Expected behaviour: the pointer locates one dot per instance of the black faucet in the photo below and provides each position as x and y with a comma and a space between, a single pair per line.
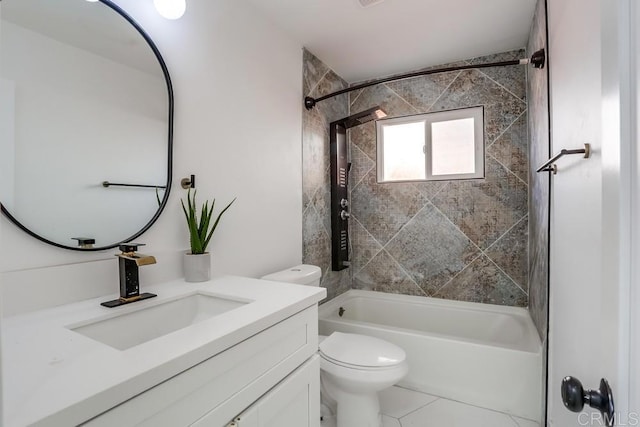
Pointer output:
129, 261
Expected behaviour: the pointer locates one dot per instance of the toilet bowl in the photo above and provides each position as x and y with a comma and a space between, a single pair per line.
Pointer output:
353, 367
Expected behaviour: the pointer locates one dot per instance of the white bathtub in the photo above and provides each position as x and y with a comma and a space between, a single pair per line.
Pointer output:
484, 355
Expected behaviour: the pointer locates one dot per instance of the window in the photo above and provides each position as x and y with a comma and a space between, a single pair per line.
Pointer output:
434, 146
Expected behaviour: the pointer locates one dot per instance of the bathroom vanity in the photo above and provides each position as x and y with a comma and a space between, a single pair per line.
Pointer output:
229, 352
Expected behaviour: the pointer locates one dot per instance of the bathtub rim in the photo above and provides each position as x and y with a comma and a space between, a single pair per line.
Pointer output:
533, 345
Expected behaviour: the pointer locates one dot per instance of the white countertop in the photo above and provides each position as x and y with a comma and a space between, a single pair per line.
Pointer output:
55, 376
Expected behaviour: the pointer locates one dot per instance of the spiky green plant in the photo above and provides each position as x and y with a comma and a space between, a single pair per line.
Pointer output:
200, 230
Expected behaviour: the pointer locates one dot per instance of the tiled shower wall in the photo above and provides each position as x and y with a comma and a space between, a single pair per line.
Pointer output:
463, 240
539, 202
319, 80
539, 182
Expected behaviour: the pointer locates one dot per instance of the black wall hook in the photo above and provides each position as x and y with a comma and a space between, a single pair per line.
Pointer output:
187, 183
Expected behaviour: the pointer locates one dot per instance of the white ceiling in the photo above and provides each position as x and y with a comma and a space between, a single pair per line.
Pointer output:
398, 36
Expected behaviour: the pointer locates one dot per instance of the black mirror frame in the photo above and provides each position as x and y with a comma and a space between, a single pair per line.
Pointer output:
165, 72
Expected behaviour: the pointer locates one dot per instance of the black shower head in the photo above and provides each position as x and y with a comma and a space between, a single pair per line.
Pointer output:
363, 117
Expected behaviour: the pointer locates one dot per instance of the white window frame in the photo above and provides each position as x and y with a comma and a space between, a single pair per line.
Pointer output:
475, 113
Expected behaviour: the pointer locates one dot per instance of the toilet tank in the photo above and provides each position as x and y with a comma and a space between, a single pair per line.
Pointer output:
303, 274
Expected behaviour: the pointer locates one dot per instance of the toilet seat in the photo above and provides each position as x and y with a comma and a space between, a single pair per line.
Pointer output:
357, 351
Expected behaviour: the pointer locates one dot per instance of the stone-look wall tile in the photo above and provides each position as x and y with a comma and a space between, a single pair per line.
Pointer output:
321, 201
509, 77
319, 80
331, 109
485, 209
353, 96
363, 137
431, 249
383, 274
539, 198
316, 246
510, 253
422, 92
449, 65
363, 246
313, 70
388, 100
511, 148
330, 82
430, 188
483, 282
361, 165
383, 209
473, 88
336, 282
315, 157
538, 281
334, 108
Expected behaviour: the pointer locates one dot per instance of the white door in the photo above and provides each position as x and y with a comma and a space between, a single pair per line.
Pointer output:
590, 45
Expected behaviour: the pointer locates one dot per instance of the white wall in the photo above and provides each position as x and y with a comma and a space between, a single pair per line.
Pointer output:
7, 140
238, 93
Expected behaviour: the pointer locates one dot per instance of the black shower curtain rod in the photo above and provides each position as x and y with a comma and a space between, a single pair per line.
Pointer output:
537, 60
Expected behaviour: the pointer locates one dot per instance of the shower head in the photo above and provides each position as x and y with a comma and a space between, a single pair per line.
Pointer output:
361, 118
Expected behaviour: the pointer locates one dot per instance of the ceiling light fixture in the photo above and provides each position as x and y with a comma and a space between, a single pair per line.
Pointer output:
170, 9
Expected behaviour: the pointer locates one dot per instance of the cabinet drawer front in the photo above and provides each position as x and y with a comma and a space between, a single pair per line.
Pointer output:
263, 359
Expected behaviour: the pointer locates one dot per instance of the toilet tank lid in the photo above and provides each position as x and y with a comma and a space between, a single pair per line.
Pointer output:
303, 274
361, 350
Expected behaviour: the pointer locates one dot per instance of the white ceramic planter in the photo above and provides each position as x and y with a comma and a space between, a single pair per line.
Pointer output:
197, 268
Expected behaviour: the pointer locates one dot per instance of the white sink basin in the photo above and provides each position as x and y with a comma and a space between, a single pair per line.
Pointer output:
136, 327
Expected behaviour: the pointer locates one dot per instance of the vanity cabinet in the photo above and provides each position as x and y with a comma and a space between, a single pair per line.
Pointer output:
269, 379
292, 403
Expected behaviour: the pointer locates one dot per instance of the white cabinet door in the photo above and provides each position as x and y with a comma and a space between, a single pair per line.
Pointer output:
294, 402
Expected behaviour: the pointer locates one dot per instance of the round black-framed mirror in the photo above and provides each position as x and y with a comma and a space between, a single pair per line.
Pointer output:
129, 195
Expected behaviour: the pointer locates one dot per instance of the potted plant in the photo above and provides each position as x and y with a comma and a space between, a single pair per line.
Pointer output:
197, 262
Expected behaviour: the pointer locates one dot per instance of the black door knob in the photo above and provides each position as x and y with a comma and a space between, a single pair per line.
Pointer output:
574, 398
572, 394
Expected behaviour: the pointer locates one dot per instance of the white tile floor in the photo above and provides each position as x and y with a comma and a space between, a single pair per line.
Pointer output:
407, 408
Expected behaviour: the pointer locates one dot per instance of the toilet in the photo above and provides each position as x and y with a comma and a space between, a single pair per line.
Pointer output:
353, 367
